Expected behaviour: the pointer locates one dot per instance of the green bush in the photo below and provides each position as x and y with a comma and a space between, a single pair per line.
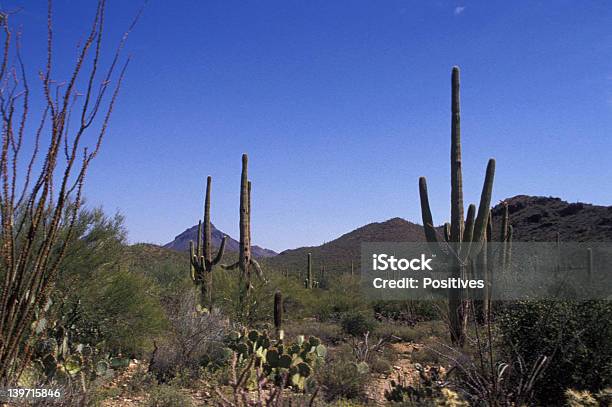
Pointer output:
344, 295
575, 335
123, 307
167, 396
341, 378
97, 301
357, 324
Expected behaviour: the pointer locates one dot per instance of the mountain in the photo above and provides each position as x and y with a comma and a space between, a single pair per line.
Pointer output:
534, 218
337, 255
181, 242
538, 218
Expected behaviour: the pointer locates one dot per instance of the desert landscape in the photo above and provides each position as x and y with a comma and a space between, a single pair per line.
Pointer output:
90, 317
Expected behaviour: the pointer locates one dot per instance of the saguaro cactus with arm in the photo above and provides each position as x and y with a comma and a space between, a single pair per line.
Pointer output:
245, 262
464, 239
201, 256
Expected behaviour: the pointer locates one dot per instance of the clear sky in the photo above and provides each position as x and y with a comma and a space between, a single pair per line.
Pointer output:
341, 106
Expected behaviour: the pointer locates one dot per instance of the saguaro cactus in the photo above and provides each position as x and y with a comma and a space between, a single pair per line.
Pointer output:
464, 237
278, 313
505, 239
245, 262
309, 283
201, 256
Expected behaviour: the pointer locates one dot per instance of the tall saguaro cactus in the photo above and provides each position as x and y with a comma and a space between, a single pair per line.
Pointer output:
201, 256
245, 262
278, 314
464, 238
309, 283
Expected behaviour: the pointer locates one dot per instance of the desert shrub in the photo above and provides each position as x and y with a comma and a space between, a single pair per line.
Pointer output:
584, 398
357, 324
342, 377
574, 335
426, 356
344, 295
419, 332
140, 380
100, 396
122, 310
406, 312
96, 300
164, 395
329, 333
427, 389
260, 305
398, 332
194, 340
346, 403
381, 365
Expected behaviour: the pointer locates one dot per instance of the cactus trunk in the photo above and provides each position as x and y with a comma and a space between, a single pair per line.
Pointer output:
309, 278
246, 263
278, 313
245, 243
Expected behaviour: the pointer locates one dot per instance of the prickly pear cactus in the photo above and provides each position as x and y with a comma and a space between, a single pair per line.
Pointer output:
277, 359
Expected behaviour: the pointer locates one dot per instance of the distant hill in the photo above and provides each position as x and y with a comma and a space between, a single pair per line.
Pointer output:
338, 254
181, 242
538, 218
534, 218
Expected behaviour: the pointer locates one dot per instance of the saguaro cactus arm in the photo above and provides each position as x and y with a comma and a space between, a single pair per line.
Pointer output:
468, 233
230, 266
480, 225
469, 223
430, 231
447, 232
258, 270
221, 251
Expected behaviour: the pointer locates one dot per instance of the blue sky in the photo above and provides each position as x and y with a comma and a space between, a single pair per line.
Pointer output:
341, 106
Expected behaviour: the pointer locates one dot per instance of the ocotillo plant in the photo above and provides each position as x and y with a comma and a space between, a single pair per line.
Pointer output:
245, 262
464, 237
201, 256
278, 314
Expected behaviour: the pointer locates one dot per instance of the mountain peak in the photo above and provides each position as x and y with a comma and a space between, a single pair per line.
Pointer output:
181, 242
